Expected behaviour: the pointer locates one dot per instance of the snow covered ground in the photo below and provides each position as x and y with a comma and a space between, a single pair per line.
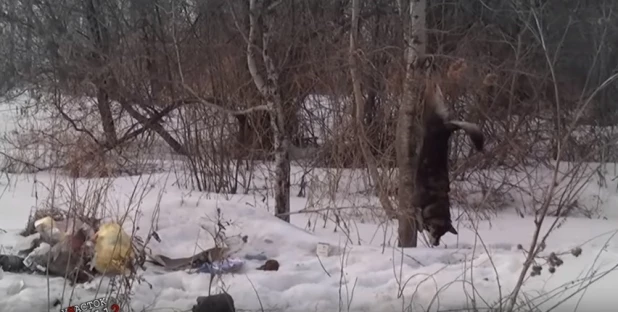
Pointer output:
367, 277
363, 272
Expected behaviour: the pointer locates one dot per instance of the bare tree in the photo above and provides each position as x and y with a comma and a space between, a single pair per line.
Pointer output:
261, 23
98, 56
415, 38
171, 71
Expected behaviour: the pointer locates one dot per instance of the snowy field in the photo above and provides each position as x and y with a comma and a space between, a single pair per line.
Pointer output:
472, 270
363, 272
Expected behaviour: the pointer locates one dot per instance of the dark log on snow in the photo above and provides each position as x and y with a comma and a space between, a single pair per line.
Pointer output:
215, 303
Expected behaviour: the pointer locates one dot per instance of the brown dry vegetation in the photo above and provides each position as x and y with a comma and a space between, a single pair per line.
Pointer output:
218, 88
171, 80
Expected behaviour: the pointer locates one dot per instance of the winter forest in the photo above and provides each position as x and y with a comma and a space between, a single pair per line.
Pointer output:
263, 155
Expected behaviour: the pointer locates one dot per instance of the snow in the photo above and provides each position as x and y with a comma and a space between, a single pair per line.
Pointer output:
366, 277
363, 272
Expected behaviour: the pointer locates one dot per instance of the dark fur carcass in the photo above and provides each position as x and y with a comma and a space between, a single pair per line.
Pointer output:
61, 248
431, 196
67, 258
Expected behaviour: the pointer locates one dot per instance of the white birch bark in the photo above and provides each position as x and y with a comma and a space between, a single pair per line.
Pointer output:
269, 88
415, 38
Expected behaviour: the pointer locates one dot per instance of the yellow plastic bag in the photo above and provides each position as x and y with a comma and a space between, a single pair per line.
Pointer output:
113, 250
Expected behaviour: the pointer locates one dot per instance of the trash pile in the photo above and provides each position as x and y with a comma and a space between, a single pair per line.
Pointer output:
80, 248
73, 247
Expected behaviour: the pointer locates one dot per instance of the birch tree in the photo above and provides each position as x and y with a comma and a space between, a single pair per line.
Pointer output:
261, 23
415, 38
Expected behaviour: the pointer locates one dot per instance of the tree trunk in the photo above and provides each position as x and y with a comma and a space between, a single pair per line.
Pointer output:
269, 89
150, 27
107, 118
415, 45
100, 42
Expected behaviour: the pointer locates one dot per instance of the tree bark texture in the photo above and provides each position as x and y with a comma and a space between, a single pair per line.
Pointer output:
269, 88
100, 37
415, 46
